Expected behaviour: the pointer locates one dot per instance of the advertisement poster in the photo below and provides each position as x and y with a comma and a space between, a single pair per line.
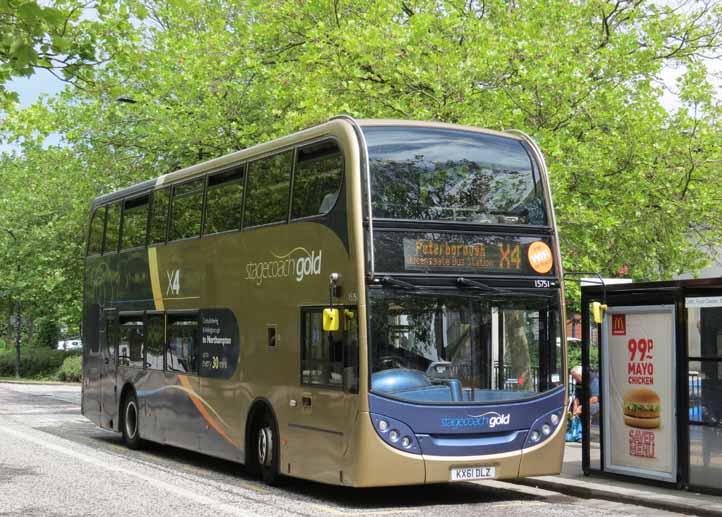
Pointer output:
639, 395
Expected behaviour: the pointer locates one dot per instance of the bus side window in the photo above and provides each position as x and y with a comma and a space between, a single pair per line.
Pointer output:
269, 181
130, 347
321, 352
97, 227
186, 210
223, 201
159, 216
183, 343
135, 222
155, 339
112, 229
317, 179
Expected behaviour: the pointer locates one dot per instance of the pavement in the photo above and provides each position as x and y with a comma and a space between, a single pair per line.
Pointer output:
573, 482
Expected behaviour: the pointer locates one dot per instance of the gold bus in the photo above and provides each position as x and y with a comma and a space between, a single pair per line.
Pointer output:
363, 303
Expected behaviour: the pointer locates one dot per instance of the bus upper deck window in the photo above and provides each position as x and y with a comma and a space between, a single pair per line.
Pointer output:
159, 216
135, 221
317, 179
268, 189
112, 229
223, 201
186, 210
97, 227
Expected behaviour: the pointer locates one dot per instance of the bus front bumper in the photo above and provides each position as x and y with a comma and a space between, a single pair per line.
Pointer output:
379, 464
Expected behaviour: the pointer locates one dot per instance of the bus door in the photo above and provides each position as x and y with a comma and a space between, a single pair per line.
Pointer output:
326, 401
109, 331
92, 331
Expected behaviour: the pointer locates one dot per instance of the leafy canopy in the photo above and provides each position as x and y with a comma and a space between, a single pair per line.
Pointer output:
635, 184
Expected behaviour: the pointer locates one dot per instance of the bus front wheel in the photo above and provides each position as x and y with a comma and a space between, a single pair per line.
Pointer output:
267, 452
131, 422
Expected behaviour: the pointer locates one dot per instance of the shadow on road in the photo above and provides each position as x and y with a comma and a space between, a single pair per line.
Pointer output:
344, 498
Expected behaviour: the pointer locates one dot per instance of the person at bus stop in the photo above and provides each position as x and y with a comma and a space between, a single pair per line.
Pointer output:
579, 391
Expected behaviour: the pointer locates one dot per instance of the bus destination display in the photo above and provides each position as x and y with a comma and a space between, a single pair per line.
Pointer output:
459, 253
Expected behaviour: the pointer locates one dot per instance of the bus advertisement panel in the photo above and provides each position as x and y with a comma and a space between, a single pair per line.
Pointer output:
639, 363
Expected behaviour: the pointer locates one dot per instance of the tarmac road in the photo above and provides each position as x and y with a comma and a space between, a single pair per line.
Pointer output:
54, 462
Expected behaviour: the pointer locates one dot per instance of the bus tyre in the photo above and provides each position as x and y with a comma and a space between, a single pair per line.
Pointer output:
131, 422
267, 451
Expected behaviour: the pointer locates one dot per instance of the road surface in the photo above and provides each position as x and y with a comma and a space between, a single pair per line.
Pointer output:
54, 462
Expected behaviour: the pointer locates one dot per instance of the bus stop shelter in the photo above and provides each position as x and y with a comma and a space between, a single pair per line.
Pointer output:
652, 382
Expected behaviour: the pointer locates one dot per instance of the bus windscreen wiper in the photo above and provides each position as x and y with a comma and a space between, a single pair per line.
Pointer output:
398, 283
467, 282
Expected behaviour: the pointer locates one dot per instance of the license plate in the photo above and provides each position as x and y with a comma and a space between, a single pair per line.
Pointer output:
471, 473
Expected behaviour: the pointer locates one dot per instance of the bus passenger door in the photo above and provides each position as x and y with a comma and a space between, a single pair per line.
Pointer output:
108, 360
92, 330
321, 419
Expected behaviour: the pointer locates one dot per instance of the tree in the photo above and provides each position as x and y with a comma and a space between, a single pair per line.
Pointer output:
51, 37
635, 184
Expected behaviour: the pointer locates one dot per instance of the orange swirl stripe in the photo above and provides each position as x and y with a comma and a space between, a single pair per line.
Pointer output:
200, 405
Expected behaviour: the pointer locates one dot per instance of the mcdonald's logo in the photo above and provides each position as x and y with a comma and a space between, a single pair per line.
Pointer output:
619, 325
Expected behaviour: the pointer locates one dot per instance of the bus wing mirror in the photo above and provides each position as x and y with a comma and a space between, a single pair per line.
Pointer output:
330, 320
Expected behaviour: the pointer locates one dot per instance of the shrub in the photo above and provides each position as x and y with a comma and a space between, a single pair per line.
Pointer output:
71, 370
48, 334
33, 362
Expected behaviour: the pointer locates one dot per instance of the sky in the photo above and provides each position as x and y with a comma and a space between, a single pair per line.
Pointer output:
30, 89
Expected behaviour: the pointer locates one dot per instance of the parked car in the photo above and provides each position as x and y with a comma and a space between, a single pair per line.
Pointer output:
70, 344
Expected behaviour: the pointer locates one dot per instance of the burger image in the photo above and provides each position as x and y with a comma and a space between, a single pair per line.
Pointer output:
642, 408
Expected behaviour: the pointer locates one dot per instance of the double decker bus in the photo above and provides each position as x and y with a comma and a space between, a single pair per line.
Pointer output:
362, 303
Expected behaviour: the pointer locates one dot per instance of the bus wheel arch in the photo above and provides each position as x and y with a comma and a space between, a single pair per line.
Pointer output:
262, 442
129, 417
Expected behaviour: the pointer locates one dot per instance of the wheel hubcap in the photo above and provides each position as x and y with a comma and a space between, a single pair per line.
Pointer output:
265, 446
131, 420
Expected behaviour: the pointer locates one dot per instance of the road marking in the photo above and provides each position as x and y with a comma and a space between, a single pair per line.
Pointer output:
335, 511
207, 501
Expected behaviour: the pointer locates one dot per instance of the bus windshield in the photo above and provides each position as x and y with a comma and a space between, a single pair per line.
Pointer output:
426, 173
463, 348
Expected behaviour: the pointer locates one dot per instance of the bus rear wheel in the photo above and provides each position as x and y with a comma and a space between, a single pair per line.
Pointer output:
131, 422
267, 452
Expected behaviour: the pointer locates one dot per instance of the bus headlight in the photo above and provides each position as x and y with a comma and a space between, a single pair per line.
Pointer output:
543, 428
395, 433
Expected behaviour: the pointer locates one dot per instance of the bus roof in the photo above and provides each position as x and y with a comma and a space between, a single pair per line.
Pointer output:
265, 147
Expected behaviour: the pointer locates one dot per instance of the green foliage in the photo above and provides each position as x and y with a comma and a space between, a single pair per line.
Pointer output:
71, 369
48, 334
635, 185
33, 362
49, 35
